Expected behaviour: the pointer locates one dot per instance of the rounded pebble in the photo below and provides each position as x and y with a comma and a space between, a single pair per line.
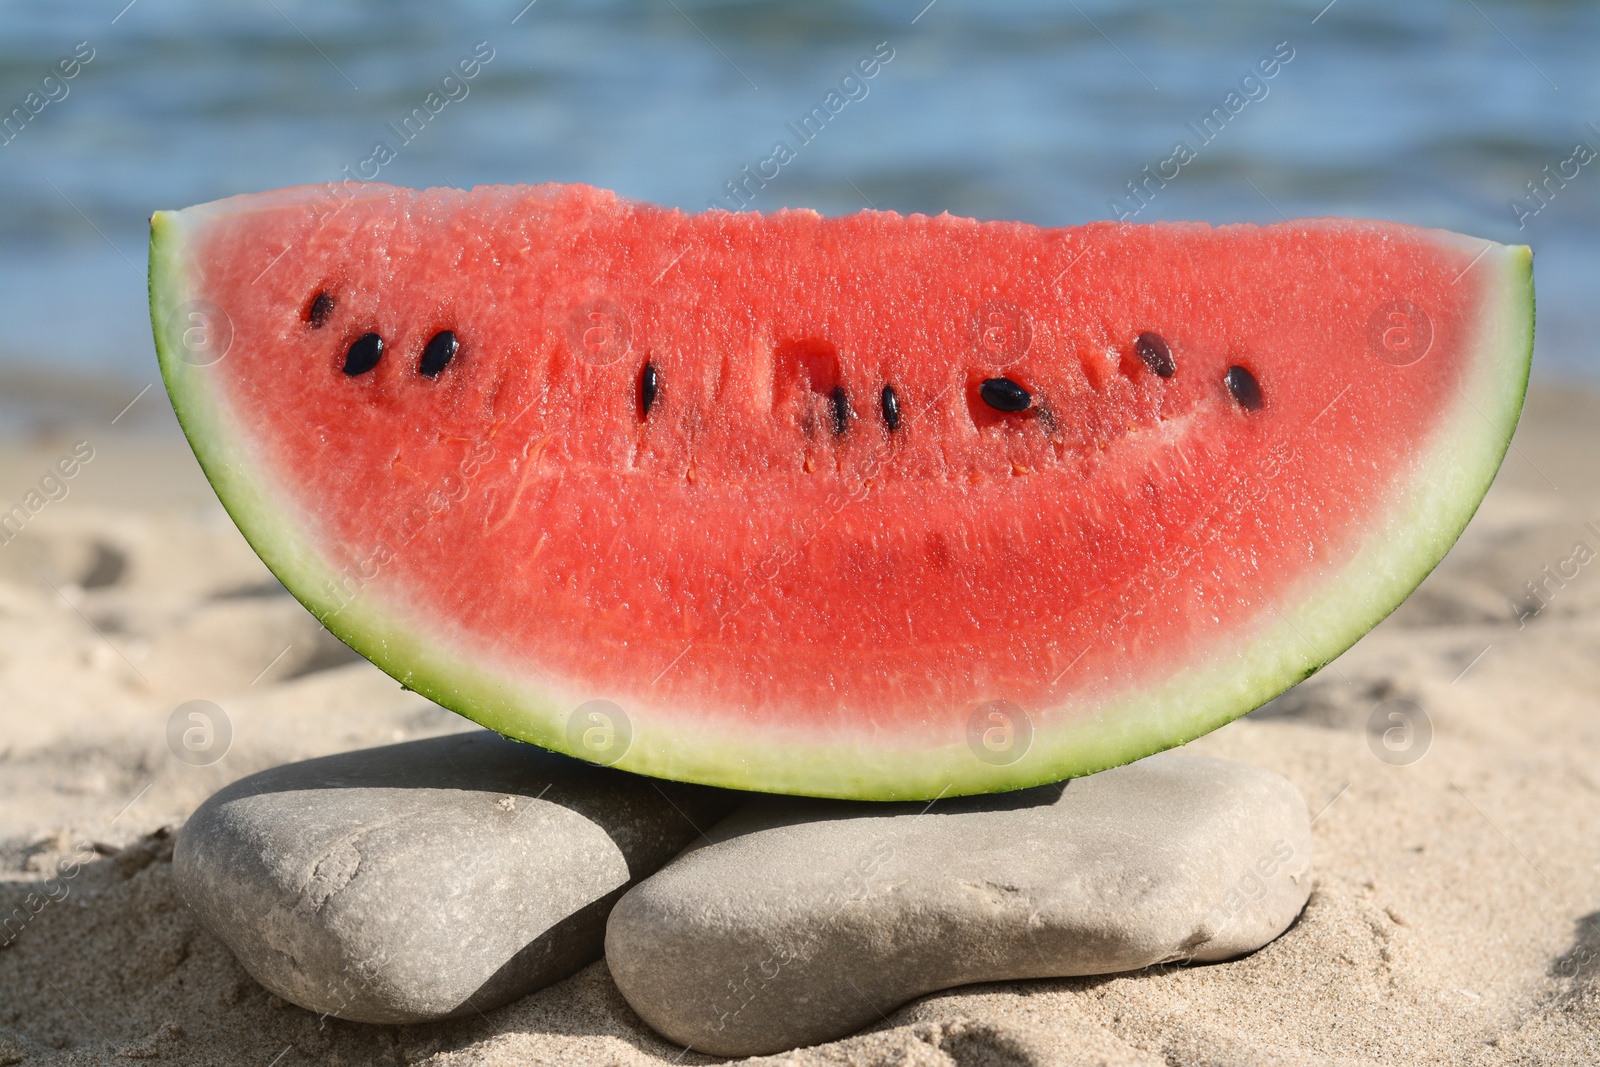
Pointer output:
427, 879
805, 920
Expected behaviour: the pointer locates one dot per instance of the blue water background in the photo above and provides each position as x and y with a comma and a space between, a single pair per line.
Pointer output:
1435, 112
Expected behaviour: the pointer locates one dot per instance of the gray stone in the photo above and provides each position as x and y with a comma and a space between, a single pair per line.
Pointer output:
801, 921
428, 879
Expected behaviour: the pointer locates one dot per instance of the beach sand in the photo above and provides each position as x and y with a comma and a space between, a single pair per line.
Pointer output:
1455, 917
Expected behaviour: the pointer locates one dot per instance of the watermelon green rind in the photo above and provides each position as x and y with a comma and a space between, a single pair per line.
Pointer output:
277, 536
238, 480
1429, 509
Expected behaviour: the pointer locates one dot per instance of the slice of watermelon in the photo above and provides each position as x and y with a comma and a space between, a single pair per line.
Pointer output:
874, 507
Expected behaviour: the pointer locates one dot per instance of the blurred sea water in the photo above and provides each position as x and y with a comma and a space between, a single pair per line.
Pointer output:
1434, 112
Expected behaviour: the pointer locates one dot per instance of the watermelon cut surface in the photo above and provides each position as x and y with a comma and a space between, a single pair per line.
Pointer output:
738, 499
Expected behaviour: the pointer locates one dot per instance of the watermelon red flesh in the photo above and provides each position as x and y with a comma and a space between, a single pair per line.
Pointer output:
774, 604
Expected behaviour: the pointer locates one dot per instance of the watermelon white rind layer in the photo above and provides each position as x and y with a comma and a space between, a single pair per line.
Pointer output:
1435, 499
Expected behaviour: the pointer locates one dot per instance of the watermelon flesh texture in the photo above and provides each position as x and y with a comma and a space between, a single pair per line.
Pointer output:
658, 510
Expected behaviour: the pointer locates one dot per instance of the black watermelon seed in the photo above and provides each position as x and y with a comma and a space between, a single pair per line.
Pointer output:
1156, 353
321, 307
841, 409
649, 385
1245, 389
363, 355
891, 408
1003, 394
438, 353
